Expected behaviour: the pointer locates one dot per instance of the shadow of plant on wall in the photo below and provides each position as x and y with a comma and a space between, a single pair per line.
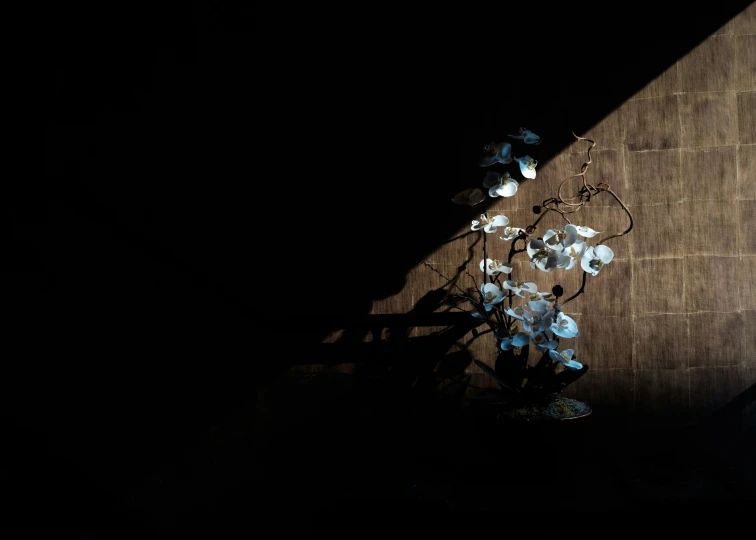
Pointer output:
520, 317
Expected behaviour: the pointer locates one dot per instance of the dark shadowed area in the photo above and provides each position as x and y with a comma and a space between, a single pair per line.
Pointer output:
225, 186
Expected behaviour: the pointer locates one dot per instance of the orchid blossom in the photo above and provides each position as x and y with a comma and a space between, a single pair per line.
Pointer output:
559, 240
496, 153
565, 326
543, 343
586, 231
595, 258
539, 302
527, 166
565, 357
518, 287
492, 295
489, 225
545, 259
539, 322
494, 267
527, 136
574, 252
500, 185
510, 233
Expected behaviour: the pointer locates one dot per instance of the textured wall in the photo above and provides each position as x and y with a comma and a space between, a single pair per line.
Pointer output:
667, 327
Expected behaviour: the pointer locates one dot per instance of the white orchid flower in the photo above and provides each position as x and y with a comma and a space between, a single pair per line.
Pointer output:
576, 250
565, 326
543, 258
500, 185
527, 136
572, 254
492, 295
510, 233
520, 313
586, 231
493, 267
470, 197
532, 322
543, 343
565, 357
560, 239
527, 166
518, 287
519, 340
510, 339
496, 153
595, 258
539, 302
490, 224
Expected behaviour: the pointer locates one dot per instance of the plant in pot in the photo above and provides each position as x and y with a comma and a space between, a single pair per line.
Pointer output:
532, 328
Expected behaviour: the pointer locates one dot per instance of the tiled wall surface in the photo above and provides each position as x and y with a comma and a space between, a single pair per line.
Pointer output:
668, 327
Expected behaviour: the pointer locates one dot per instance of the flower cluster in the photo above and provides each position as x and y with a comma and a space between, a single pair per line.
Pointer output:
517, 312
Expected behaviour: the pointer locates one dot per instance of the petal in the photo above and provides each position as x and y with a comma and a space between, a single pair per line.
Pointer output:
538, 306
500, 221
578, 248
565, 261
530, 287
573, 364
562, 332
492, 288
549, 238
526, 171
572, 235
513, 232
534, 246
508, 188
522, 338
551, 344
542, 264
586, 231
585, 262
532, 138
571, 324
506, 344
555, 356
492, 179
604, 253
552, 261
504, 153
